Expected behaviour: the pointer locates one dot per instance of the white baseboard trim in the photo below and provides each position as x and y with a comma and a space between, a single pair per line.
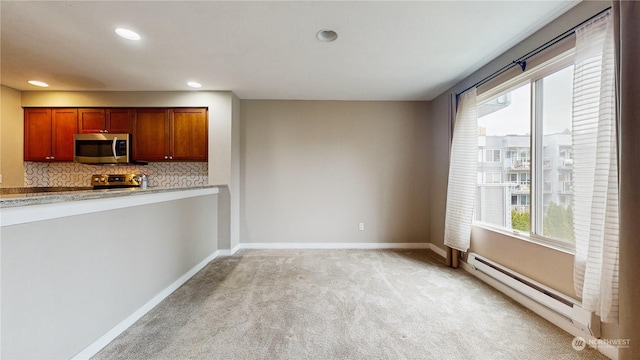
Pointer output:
438, 250
226, 252
235, 249
550, 315
266, 246
105, 339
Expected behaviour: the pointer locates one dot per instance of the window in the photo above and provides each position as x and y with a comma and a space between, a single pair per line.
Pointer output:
553, 119
492, 155
520, 200
530, 119
493, 178
507, 125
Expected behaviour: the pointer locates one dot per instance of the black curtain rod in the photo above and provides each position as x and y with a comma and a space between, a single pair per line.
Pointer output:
522, 61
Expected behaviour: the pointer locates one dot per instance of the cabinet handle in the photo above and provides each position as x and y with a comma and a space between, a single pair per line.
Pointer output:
170, 157
166, 157
113, 148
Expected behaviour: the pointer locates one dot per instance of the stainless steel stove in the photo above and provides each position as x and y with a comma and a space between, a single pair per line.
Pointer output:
111, 181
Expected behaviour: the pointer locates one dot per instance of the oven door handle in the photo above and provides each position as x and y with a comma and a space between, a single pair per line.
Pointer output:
113, 147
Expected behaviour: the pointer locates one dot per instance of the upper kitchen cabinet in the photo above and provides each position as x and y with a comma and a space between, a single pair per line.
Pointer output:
48, 134
178, 134
91, 120
150, 134
118, 121
188, 133
104, 120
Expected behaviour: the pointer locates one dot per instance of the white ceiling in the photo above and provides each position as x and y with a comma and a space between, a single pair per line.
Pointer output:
386, 50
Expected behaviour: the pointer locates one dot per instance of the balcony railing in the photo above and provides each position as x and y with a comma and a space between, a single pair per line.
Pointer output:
520, 208
517, 164
521, 189
565, 163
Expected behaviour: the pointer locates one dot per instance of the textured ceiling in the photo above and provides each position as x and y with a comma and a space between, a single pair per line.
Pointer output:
386, 50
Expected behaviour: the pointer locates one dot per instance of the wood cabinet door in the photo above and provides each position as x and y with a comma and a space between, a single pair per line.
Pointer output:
119, 121
37, 134
91, 120
64, 123
189, 134
150, 134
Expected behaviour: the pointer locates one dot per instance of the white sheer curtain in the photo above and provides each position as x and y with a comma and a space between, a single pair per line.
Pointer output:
463, 168
595, 170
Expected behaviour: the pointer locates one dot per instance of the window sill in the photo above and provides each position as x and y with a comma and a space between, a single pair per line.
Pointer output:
567, 248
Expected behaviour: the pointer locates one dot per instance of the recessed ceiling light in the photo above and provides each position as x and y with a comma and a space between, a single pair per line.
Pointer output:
194, 84
38, 83
128, 34
327, 35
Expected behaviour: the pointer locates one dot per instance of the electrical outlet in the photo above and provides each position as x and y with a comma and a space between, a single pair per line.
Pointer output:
361, 226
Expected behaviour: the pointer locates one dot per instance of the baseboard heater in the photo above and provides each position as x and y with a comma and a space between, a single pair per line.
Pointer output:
561, 304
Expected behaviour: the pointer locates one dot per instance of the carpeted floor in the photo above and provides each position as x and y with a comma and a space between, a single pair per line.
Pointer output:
339, 304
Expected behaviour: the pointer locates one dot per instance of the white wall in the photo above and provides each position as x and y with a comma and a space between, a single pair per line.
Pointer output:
11, 138
67, 281
235, 175
312, 170
629, 165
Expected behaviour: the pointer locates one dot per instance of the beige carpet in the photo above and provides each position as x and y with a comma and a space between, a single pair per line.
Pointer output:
339, 304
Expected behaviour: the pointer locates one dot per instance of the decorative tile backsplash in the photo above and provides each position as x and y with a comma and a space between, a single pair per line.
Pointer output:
160, 174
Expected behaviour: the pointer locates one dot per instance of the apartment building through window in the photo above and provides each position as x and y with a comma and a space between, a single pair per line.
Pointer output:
528, 120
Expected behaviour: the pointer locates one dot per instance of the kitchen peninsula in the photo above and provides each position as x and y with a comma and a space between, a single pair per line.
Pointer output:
78, 267
10, 198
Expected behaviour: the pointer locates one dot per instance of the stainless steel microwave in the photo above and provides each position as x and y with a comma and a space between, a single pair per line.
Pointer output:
102, 148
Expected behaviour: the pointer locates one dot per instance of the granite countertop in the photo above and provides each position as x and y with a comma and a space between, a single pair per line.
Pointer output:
15, 197
39, 190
